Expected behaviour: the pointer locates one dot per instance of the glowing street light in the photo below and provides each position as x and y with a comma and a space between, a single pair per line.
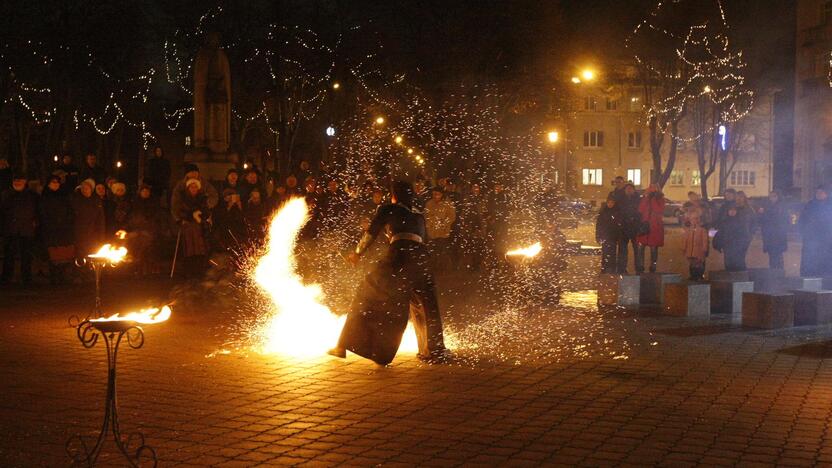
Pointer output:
576, 80
410, 151
330, 131
336, 85
553, 136
380, 120
398, 140
118, 164
588, 75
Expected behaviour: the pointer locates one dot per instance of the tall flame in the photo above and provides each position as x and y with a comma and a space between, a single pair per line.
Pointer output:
301, 325
529, 252
144, 316
110, 253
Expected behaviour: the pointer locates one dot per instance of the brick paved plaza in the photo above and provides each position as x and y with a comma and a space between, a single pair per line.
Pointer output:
584, 387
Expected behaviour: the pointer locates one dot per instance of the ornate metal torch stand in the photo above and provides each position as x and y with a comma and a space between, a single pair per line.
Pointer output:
132, 447
98, 262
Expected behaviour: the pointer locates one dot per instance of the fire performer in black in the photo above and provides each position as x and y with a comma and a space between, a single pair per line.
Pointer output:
400, 285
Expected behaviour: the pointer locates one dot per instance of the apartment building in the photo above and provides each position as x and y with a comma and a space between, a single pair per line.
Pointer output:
607, 137
813, 96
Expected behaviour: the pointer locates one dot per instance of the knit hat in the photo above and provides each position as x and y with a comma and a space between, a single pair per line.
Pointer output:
191, 167
118, 187
190, 182
228, 191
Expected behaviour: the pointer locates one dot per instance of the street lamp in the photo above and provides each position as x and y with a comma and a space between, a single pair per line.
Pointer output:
380, 120
553, 136
336, 85
398, 140
588, 75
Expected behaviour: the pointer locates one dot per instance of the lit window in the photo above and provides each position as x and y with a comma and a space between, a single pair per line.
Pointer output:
593, 177
634, 177
634, 140
612, 104
590, 103
677, 178
593, 139
743, 178
695, 178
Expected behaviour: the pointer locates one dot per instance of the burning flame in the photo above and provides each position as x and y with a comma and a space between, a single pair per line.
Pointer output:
301, 325
528, 252
144, 316
108, 252
121, 234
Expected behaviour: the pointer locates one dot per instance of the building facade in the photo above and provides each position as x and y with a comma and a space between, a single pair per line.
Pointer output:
813, 96
607, 137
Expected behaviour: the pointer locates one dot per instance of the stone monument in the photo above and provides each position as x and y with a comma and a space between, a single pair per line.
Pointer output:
212, 109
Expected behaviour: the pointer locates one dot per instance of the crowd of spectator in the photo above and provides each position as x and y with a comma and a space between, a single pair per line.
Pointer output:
192, 218
632, 219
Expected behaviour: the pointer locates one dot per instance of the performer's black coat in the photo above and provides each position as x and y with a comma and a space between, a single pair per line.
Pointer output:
401, 284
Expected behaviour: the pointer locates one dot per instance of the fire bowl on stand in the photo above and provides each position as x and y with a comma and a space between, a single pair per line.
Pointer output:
113, 330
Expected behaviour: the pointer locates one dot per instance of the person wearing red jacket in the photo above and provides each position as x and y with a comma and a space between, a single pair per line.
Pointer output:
651, 209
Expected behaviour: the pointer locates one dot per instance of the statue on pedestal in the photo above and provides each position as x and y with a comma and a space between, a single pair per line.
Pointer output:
212, 98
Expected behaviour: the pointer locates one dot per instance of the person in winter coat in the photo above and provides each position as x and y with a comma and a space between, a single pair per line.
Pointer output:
440, 216
774, 224
19, 214
651, 208
696, 240
609, 230
120, 205
735, 233
56, 223
144, 228
232, 180
157, 174
193, 215
92, 170
256, 216
816, 231
89, 226
180, 192
230, 232
628, 202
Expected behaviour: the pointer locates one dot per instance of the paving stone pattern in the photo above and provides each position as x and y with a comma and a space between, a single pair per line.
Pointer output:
724, 396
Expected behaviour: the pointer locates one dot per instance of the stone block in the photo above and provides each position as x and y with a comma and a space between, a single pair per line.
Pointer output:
812, 307
590, 250
652, 286
803, 284
573, 246
726, 297
827, 283
620, 290
767, 279
722, 275
687, 299
767, 310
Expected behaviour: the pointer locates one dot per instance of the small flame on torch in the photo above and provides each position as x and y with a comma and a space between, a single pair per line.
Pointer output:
528, 252
121, 234
144, 316
108, 252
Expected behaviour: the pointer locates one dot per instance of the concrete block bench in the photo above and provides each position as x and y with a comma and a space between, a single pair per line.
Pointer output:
722, 275
726, 297
812, 307
653, 284
767, 279
767, 310
804, 284
573, 246
620, 290
687, 299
